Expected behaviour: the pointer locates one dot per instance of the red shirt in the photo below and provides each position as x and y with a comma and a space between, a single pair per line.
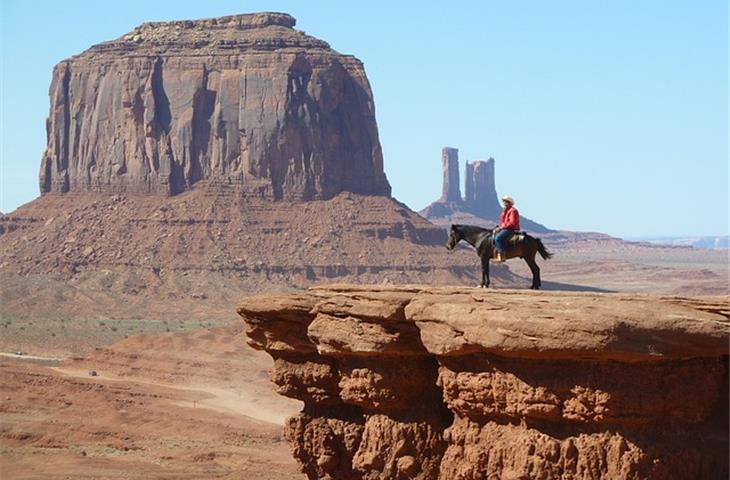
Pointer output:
510, 218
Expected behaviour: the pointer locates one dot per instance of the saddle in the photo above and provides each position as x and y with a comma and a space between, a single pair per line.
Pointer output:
516, 237
513, 239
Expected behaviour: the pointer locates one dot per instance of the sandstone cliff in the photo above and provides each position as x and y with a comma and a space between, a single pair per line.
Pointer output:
480, 190
426, 383
243, 102
450, 191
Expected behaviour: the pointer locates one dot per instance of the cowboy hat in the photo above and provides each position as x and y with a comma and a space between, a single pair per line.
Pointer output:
508, 199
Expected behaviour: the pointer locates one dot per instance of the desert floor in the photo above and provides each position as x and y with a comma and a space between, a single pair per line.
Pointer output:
190, 404
635, 268
189, 399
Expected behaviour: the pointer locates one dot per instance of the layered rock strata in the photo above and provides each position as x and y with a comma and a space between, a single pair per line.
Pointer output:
243, 101
132, 256
447, 383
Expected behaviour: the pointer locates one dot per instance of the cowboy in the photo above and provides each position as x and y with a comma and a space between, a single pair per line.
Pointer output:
509, 223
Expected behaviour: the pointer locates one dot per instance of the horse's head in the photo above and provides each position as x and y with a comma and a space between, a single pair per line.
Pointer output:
454, 238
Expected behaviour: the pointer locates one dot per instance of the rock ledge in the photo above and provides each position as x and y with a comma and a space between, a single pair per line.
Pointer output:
419, 382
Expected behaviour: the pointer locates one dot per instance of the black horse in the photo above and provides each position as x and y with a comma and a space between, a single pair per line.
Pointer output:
519, 245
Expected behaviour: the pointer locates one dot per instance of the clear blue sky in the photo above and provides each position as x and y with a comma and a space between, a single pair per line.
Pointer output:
602, 116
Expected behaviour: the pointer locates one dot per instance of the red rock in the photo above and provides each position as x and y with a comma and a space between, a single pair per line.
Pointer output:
500, 384
242, 102
451, 191
480, 190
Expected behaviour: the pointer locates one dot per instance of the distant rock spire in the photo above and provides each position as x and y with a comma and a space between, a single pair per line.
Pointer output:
450, 163
480, 206
481, 192
469, 183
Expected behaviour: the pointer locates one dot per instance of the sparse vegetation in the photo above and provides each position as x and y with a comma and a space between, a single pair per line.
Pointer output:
66, 335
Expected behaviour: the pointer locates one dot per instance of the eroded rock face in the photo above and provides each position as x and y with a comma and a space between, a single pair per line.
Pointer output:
481, 193
451, 190
242, 102
446, 383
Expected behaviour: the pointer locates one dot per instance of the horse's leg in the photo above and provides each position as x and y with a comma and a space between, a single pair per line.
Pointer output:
537, 268
530, 260
485, 270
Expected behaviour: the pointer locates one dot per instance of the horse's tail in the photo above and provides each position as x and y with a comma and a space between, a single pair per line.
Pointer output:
542, 250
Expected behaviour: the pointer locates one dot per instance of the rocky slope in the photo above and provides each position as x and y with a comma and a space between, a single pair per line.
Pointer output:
243, 102
426, 383
190, 255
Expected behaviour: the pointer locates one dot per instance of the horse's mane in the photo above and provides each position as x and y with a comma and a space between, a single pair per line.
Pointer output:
467, 229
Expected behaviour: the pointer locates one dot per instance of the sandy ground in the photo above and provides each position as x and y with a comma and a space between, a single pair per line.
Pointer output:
176, 405
636, 269
240, 401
